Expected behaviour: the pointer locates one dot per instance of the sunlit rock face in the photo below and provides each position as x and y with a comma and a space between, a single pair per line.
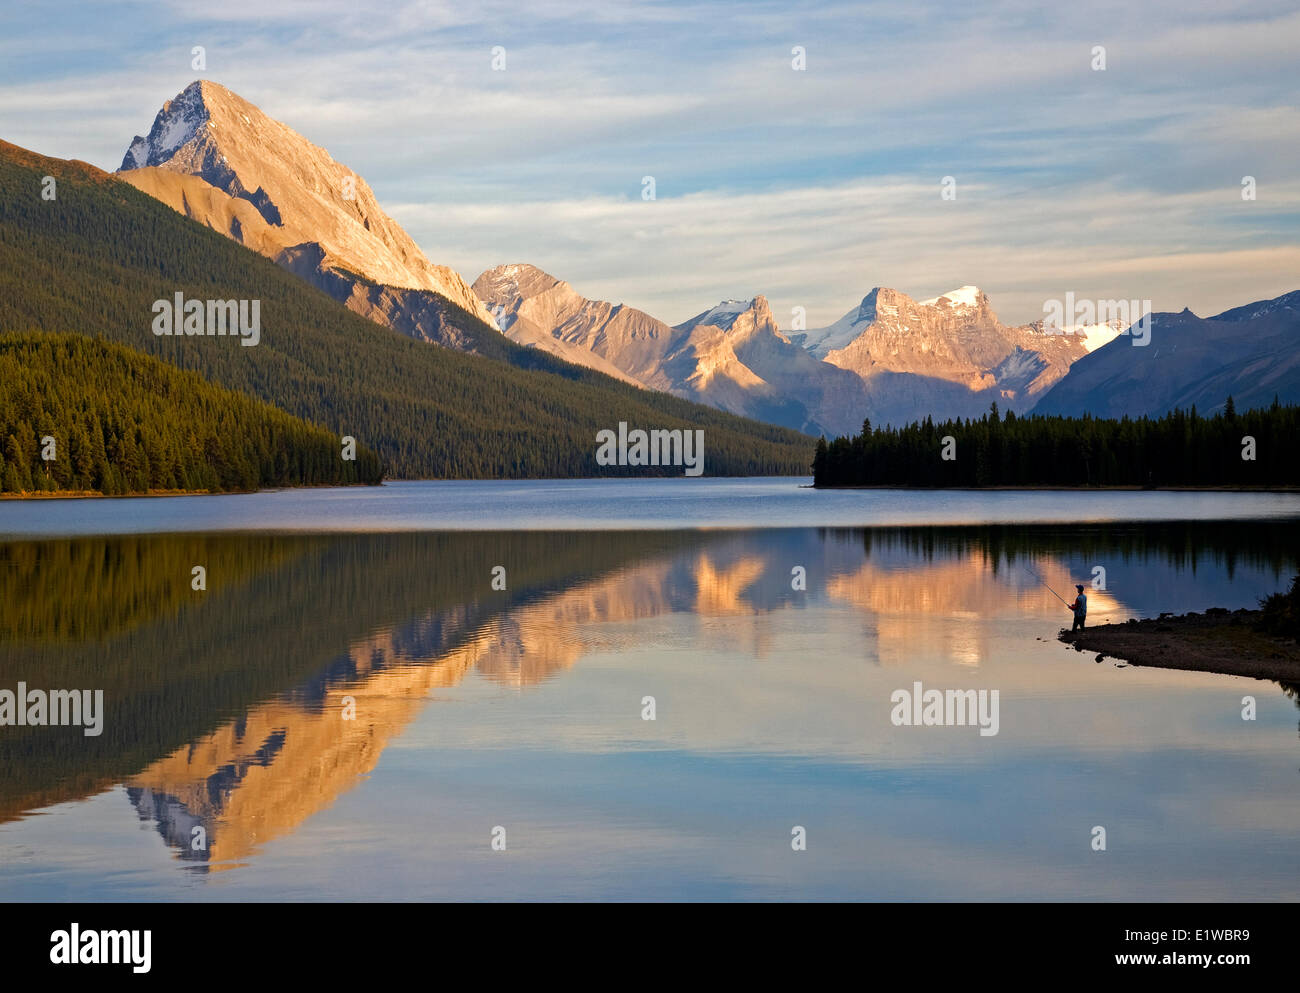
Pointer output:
891, 359
732, 356
953, 339
259, 777
218, 159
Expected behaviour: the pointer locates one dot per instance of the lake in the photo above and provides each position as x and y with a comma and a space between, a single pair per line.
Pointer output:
618, 504
637, 689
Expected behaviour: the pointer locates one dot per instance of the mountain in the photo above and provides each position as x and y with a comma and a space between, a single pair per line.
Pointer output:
737, 350
890, 359
955, 337
141, 647
536, 310
97, 258
1250, 353
221, 161
732, 356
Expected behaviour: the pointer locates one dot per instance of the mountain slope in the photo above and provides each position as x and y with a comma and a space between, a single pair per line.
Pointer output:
125, 422
945, 357
1250, 353
732, 356
831, 400
537, 310
220, 160
890, 359
956, 337
95, 260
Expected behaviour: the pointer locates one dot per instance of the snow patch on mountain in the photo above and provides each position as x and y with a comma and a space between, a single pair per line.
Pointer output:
1287, 303
821, 341
724, 314
1094, 336
963, 296
176, 123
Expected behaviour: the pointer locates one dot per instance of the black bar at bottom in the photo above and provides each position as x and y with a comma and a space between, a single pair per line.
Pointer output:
928, 941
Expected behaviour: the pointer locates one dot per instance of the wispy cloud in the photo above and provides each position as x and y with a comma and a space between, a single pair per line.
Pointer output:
823, 247
807, 186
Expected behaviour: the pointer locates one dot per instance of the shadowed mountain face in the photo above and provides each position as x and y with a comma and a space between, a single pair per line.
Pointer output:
216, 158
1250, 353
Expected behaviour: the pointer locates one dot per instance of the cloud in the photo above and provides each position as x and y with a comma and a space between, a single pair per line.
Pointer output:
824, 247
807, 186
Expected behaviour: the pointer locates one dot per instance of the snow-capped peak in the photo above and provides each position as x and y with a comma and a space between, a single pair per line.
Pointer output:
963, 296
177, 122
304, 197
724, 314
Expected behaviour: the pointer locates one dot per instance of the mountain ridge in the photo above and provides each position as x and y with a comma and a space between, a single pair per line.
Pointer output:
1184, 365
94, 260
220, 160
890, 359
700, 359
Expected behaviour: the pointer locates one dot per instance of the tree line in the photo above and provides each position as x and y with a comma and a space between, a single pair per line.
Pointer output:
78, 414
1252, 449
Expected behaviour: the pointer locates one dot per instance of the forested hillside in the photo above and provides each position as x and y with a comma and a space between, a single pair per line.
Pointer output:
95, 259
1256, 448
121, 422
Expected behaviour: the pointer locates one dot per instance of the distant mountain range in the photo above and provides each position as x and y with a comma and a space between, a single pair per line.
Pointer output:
218, 159
891, 358
896, 360
732, 356
97, 258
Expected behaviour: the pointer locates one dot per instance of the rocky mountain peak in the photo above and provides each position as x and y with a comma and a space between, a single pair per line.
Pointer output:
722, 316
223, 142
178, 121
514, 282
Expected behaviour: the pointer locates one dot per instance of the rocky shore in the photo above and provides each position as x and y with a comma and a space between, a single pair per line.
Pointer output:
1218, 640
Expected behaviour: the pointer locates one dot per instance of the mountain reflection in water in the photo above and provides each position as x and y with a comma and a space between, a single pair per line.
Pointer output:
229, 713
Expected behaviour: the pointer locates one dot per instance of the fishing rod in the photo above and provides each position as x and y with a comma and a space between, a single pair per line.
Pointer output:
1044, 582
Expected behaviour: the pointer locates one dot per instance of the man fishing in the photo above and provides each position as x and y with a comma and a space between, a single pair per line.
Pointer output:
1080, 608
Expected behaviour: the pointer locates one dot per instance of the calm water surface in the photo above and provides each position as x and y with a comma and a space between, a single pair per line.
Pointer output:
618, 504
478, 708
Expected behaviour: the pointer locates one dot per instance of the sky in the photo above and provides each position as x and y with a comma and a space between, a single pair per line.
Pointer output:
808, 186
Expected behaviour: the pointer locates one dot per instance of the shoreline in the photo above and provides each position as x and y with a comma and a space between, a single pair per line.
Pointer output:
1071, 489
97, 495
1218, 641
